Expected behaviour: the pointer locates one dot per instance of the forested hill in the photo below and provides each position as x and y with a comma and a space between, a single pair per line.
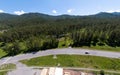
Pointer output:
9, 20
36, 31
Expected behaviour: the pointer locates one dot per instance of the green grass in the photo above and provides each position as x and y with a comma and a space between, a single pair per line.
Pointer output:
76, 61
6, 67
2, 53
104, 48
64, 42
3, 73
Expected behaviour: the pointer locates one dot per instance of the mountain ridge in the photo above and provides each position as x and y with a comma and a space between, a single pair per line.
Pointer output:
4, 16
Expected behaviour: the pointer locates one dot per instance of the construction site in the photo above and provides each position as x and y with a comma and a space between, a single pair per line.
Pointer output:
61, 71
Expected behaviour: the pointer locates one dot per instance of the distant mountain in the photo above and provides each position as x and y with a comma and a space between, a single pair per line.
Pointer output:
36, 15
106, 15
116, 13
39, 18
45, 16
4, 16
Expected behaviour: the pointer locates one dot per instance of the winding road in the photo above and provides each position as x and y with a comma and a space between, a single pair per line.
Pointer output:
70, 51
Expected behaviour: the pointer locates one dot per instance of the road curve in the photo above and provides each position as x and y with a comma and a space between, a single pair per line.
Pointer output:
70, 51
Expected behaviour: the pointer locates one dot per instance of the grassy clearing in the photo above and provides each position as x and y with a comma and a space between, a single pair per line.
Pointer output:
2, 53
104, 48
76, 61
6, 67
64, 42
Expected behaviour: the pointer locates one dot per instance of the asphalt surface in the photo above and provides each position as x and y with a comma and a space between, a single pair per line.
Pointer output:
70, 51
22, 69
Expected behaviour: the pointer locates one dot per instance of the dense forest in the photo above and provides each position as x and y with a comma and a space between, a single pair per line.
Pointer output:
35, 31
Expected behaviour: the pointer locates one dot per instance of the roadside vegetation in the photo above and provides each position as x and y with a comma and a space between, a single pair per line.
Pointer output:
102, 48
104, 73
3, 73
76, 61
5, 67
2, 53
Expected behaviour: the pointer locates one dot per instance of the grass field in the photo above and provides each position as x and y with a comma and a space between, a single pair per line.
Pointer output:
103, 48
76, 61
6, 67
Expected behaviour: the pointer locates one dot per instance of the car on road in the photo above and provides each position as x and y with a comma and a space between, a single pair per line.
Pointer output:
34, 52
87, 52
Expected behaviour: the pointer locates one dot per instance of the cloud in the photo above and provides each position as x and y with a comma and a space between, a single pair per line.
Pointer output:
1, 11
54, 11
19, 12
70, 10
111, 11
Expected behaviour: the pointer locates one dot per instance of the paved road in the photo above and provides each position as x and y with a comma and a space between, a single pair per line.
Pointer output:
70, 51
24, 70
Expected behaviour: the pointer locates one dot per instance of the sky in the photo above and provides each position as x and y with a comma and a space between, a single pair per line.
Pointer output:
58, 7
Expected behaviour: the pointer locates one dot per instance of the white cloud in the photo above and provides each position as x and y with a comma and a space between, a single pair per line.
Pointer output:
111, 11
19, 12
54, 11
70, 10
1, 11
